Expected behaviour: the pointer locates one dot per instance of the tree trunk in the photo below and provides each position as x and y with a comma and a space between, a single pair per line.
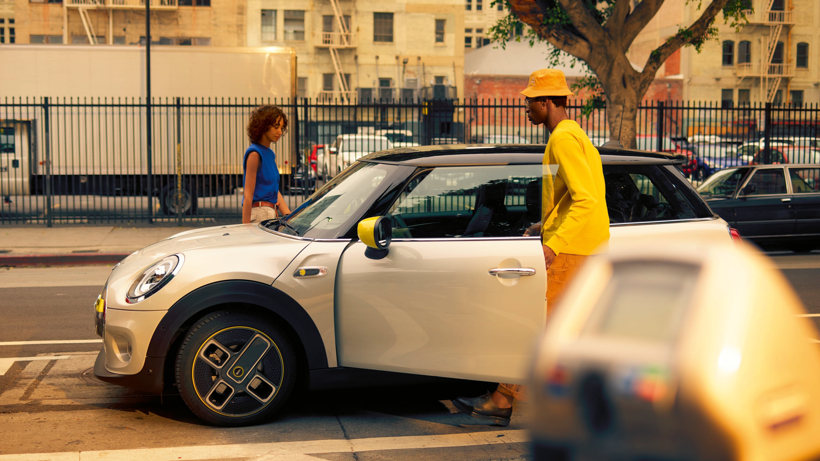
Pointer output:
622, 119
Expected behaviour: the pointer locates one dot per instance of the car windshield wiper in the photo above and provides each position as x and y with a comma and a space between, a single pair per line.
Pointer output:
283, 222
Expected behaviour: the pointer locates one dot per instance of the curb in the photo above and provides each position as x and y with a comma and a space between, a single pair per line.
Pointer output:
71, 259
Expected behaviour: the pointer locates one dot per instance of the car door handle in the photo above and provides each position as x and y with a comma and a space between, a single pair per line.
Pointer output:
785, 200
511, 272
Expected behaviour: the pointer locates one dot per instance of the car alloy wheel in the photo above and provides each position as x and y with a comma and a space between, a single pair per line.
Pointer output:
234, 369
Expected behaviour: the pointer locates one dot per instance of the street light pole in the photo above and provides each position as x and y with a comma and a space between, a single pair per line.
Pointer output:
148, 141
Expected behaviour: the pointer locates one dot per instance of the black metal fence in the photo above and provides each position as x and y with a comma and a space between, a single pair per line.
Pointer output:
83, 161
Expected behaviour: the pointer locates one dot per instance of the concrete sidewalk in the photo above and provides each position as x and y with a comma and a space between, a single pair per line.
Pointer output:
38, 246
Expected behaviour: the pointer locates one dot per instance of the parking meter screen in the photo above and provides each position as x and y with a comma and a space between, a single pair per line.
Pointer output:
644, 300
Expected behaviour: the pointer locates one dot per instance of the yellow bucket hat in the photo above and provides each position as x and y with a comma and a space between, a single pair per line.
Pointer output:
547, 82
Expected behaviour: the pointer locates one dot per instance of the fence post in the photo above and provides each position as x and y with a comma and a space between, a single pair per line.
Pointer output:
306, 166
767, 129
659, 123
47, 158
178, 197
149, 161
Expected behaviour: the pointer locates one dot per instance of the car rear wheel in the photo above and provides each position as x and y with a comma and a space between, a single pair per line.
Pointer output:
235, 369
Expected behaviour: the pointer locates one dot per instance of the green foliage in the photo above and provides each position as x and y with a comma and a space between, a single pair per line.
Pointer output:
596, 99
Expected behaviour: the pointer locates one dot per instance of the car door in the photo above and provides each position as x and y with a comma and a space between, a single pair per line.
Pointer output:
461, 291
763, 207
805, 182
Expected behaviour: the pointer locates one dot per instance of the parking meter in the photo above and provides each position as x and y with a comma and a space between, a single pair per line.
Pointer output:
677, 351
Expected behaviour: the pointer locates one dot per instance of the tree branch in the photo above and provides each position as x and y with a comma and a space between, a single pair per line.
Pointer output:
583, 20
697, 31
615, 23
638, 19
560, 37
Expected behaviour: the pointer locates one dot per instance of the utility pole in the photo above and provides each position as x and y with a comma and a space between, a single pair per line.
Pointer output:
148, 141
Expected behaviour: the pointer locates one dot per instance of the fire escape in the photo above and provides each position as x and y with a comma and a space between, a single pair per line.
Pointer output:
334, 41
83, 7
770, 65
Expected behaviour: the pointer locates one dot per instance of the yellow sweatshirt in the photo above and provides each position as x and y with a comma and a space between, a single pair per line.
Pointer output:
573, 208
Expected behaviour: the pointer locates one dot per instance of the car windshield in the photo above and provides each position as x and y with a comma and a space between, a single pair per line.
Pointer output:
341, 200
723, 182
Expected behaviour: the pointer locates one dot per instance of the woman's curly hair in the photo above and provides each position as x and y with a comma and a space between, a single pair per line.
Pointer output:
264, 117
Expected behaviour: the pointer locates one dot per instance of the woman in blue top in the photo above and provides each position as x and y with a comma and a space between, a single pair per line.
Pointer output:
261, 181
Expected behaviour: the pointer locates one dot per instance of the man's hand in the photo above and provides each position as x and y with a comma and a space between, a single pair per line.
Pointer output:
549, 255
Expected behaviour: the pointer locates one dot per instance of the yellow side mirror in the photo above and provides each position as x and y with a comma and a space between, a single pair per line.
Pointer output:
376, 233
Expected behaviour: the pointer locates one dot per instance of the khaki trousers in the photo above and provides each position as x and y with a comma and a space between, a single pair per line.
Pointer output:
261, 213
560, 273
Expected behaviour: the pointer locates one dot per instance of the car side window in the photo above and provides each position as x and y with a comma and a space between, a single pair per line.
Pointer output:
805, 180
475, 201
766, 181
643, 193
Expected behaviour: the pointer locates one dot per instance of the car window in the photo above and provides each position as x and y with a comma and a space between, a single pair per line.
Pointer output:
474, 201
723, 182
642, 193
805, 180
769, 157
766, 182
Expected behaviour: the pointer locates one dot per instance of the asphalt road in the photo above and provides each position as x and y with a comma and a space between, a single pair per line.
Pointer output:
50, 403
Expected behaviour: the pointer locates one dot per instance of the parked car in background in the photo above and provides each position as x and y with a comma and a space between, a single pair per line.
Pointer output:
806, 142
786, 154
716, 157
769, 204
350, 147
240, 317
317, 156
399, 138
747, 150
691, 167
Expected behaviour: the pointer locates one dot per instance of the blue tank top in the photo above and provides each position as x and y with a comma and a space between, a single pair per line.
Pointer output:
267, 176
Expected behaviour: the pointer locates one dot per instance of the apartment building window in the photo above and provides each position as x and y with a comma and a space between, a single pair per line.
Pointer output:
727, 98
194, 2
744, 52
478, 5
327, 82
7, 34
777, 57
440, 30
468, 38
778, 98
45, 1
382, 27
119, 40
202, 41
46, 39
803, 55
301, 87
728, 53
796, 97
83, 40
295, 25
268, 25
327, 23
778, 5
744, 97
499, 4
2, 35
469, 5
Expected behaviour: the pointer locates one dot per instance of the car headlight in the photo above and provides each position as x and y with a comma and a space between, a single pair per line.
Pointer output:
154, 278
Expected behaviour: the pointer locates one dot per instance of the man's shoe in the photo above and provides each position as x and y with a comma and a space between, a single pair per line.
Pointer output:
484, 408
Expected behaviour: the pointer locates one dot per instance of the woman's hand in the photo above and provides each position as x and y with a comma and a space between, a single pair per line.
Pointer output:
251, 167
282, 206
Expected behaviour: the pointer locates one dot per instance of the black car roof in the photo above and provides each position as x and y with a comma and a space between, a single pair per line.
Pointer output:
504, 154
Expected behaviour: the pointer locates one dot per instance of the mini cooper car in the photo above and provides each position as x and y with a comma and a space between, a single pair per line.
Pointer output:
410, 261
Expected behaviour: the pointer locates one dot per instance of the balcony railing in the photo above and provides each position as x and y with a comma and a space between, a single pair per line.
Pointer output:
770, 17
124, 4
337, 40
765, 70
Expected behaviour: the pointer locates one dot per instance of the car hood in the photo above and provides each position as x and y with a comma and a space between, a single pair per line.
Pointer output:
237, 252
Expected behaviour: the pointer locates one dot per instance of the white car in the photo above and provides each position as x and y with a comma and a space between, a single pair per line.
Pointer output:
399, 138
350, 147
237, 317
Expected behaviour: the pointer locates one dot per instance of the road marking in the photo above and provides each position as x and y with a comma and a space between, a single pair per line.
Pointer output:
34, 343
6, 363
287, 450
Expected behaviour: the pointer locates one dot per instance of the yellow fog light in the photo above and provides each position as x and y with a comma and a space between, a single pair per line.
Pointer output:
99, 306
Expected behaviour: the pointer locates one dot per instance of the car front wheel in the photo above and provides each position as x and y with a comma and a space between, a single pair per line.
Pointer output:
235, 369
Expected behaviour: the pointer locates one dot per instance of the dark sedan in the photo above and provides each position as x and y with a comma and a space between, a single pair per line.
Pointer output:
769, 204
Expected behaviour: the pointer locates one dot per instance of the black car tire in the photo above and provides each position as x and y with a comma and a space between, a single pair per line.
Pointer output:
211, 375
187, 204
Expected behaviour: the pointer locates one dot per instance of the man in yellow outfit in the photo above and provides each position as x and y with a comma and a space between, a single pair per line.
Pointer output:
574, 217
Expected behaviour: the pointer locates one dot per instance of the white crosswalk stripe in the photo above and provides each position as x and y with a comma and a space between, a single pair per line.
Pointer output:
6, 363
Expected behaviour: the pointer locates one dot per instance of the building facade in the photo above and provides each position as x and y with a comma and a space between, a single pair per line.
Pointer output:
365, 50
479, 17
774, 58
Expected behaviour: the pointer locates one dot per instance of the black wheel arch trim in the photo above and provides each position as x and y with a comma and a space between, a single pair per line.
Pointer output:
240, 292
